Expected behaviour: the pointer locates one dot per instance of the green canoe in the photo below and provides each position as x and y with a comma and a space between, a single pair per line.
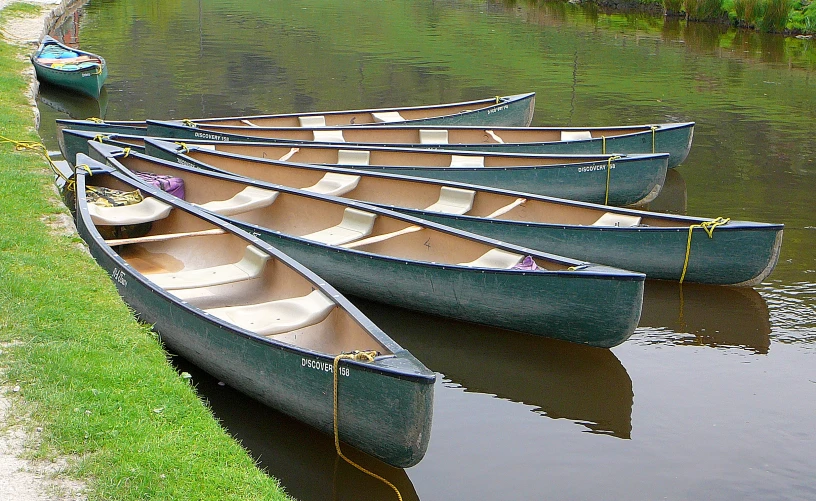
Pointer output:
211, 292
70, 68
615, 180
417, 264
740, 253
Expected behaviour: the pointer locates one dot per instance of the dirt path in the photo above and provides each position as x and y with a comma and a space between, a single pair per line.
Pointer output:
22, 479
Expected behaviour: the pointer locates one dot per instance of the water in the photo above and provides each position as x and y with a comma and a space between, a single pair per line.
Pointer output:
714, 397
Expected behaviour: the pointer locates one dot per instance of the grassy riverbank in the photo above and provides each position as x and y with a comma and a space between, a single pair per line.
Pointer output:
95, 381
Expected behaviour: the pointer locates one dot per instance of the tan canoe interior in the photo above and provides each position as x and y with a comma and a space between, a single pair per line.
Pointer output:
426, 195
414, 135
235, 281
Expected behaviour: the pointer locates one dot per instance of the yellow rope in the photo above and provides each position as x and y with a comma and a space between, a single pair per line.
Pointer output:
184, 148
126, 152
70, 184
189, 123
603, 143
95, 120
498, 99
708, 226
608, 175
100, 138
34, 146
361, 356
654, 131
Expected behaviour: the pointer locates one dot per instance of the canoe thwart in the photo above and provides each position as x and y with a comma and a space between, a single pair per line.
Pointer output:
575, 135
250, 198
620, 220
164, 237
355, 224
380, 238
496, 258
507, 208
249, 267
334, 184
275, 317
145, 211
453, 201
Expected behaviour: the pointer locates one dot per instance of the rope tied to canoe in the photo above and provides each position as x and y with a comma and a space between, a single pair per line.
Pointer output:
359, 356
603, 145
125, 152
100, 138
70, 184
95, 120
708, 227
609, 174
37, 147
184, 149
654, 132
498, 99
189, 123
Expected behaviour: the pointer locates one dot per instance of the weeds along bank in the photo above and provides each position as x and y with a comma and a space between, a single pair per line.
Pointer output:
94, 383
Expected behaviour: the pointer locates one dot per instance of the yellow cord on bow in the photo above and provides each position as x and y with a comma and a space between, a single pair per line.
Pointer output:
126, 152
361, 356
184, 148
603, 145
189, 123
608, 175
654, 131
35, 146
498, 99
95, 120
100, 138
708, 226
70, 184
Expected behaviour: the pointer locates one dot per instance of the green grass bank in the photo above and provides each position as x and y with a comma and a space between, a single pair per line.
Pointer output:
97, 383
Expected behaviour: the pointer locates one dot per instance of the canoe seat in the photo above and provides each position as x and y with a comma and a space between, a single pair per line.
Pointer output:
433, 136
612, 219
467, 161
149, 209
328, 136
453, 201
276, 317
388, 117
353, 157
355, 224
496, 258
312, 121
250, 266
575, 135
334, 184
250, 198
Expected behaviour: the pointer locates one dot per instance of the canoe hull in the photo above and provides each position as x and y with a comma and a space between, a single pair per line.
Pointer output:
88, 81
386, 413
554, 305
739, 254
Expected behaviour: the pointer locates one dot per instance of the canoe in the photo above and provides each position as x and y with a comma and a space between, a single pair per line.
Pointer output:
672, 138
738, 253
73, 69
511, 111
400, 260
256, 319
614, 180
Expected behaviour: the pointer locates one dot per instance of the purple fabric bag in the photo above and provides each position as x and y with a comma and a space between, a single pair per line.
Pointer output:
527, 264
170, 184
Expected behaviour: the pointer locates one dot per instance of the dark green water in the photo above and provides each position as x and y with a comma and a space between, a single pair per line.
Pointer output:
714, 397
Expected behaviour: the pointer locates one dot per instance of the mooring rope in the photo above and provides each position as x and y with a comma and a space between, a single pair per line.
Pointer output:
37, 147
189, 123
184, 148
654, 132
360, 356
708, 226
608, 175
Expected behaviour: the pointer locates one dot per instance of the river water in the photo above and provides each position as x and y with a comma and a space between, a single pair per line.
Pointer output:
714, 397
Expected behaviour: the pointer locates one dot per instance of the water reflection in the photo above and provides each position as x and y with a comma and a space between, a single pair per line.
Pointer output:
713, 315
76, 106
672, 198
561, 380
303, 459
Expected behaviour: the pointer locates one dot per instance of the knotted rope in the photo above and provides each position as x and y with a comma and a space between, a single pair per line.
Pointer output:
360, 356
189, 123
608, 175
708, 227
37, 147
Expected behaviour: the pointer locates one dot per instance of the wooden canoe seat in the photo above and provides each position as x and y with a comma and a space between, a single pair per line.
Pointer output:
575, 135
387, 117
380, 238
507, 208
496, 258
249, 267
353, 157
250, 198
145, 211
453, 201
355, 224
433, 136
276, 317
467, 161
312, 121
334, 184
621, 220
328, 136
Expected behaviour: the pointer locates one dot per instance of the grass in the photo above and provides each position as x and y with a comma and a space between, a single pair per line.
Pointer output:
96, 381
